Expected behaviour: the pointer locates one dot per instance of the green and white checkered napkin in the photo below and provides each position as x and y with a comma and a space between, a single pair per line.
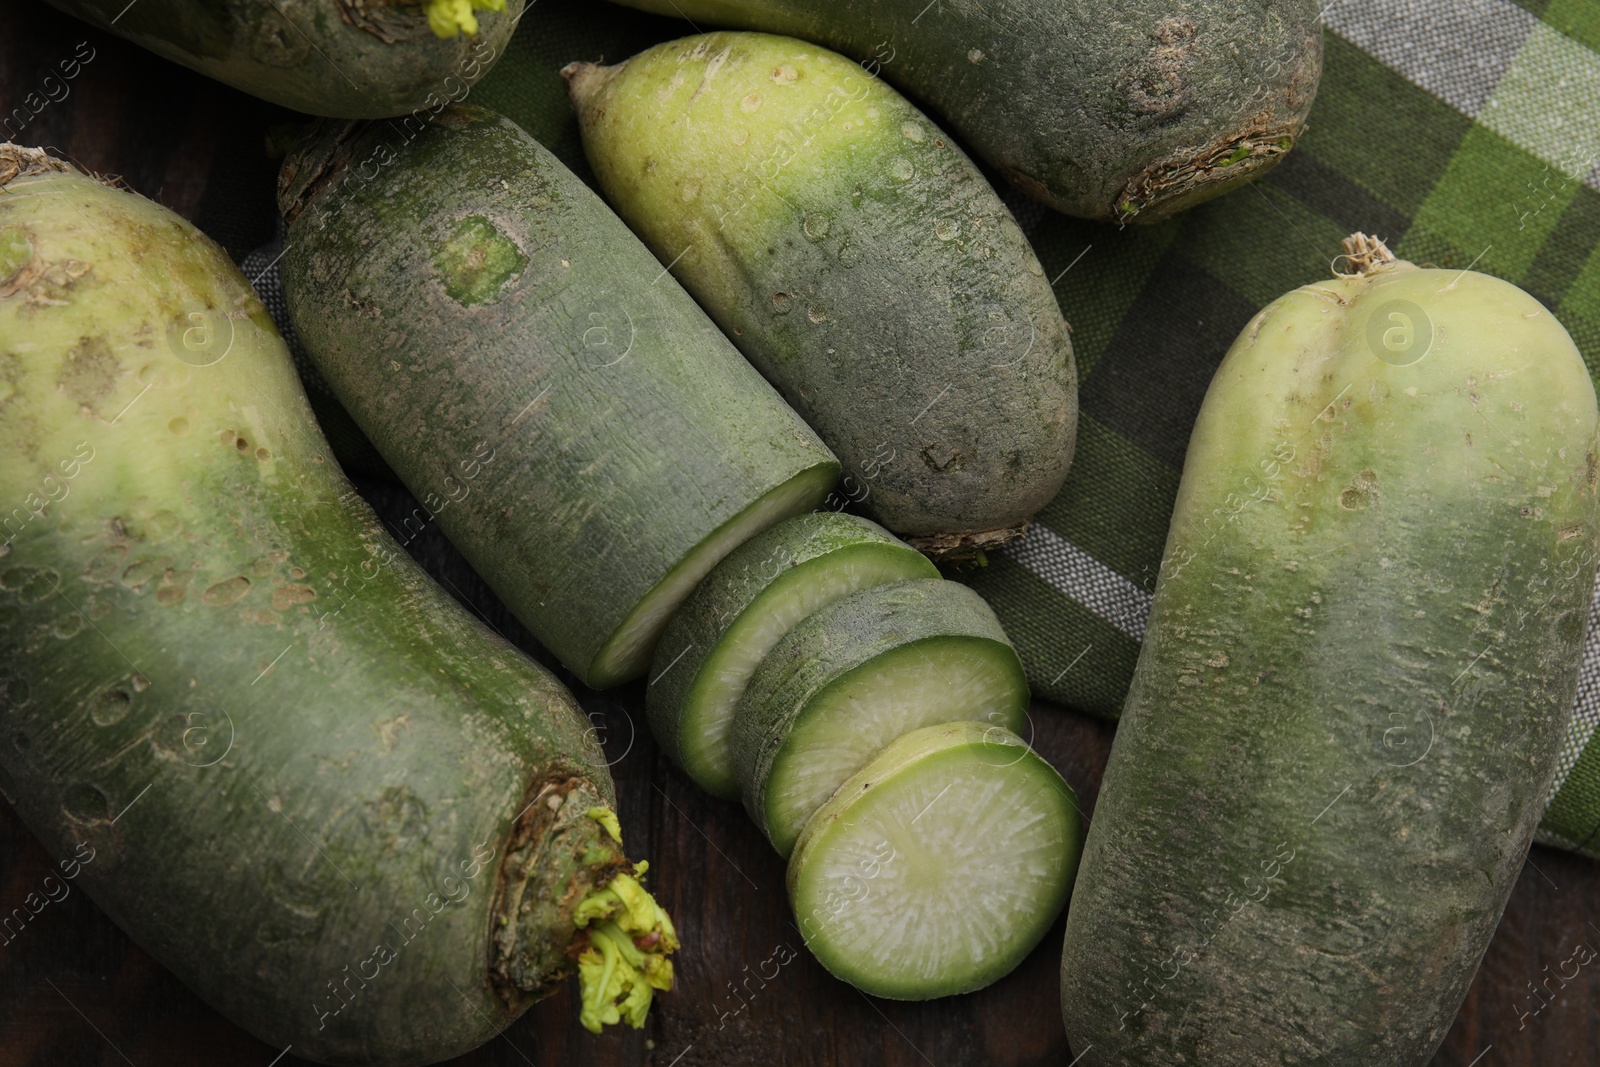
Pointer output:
1463, 132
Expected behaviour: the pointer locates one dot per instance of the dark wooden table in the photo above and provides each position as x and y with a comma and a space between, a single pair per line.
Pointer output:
74, 991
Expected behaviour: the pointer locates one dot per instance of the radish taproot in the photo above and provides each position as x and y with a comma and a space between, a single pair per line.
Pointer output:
333, 803
939, 865
855, 675
743, 607
1129, 115
466, 281
345, 60
1362, 651
861, 262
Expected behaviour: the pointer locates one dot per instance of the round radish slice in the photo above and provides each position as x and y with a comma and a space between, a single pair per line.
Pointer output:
939, 866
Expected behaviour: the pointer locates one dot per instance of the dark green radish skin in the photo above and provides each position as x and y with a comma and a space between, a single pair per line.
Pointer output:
328, 799
345, 59
1128, 118
466, 282
938, 866
854, 676
860, 261
718, 638
1363, 647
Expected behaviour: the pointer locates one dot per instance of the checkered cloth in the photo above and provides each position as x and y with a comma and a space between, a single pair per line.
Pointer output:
1463, 132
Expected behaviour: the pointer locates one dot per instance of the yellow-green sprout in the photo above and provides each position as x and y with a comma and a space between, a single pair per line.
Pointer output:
449, 17
630, 938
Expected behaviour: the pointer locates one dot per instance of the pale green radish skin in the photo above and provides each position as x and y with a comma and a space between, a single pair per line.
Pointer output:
345, 59
855, 675
1130, 117
745, 605
860, 261
629, 447
209, 647
938, 866
1363, 647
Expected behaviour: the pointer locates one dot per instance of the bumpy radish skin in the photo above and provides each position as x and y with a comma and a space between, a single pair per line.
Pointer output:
464, 280
1363, 649
340, 809
862, 263
350, 60
1124, 115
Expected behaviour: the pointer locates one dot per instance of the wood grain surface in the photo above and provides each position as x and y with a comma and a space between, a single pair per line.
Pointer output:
74, 991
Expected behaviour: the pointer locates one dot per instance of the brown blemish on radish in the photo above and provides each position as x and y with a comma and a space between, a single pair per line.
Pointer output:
228, 591
90, 372
287, 596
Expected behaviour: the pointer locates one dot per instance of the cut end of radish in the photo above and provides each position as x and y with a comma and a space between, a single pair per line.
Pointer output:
939, 866
564, 869
627, 654
558, 853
